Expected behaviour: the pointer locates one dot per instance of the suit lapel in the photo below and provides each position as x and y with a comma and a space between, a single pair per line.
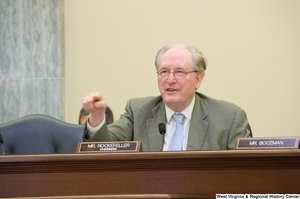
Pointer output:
198, 126
155, 138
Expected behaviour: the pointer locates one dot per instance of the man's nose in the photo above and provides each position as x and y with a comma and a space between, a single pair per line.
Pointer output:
171, 77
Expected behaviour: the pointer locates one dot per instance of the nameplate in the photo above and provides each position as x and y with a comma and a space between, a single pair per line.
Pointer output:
267, 143
120, 146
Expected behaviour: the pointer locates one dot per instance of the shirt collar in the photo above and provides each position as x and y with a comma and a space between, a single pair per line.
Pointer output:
187, 112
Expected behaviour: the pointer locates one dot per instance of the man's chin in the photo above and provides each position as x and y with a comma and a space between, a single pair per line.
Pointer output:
171, 101
175, 105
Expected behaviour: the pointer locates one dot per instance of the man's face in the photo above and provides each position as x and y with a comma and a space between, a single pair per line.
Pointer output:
178, 93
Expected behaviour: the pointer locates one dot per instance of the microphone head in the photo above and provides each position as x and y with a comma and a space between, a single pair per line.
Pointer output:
1, 139
162, 128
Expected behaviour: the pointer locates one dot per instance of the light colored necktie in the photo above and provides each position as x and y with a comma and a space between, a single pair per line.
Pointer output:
176, 141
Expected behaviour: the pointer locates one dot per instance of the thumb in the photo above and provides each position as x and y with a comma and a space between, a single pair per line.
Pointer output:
100, 104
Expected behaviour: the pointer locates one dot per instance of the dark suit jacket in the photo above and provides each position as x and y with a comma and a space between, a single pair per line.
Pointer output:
215, 124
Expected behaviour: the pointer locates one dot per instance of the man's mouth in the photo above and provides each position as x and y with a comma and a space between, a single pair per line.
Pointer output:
171, 90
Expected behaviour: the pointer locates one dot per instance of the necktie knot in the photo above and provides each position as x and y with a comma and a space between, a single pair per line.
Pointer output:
178, 118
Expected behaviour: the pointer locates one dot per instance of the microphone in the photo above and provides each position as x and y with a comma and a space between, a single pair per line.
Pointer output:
162, 128
162, 131
1, 143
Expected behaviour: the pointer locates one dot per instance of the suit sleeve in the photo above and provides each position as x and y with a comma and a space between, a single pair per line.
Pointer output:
240, 128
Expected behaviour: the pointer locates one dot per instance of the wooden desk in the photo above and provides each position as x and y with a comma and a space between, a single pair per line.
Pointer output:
193, 174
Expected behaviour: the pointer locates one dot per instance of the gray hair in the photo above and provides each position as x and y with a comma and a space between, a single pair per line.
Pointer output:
199, 62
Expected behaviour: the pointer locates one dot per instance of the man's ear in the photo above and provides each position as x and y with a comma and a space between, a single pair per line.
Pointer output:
199, 77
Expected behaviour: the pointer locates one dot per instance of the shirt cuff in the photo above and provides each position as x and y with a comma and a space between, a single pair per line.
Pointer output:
93, 130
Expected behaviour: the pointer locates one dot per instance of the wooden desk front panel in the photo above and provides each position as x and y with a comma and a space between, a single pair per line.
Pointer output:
196, 172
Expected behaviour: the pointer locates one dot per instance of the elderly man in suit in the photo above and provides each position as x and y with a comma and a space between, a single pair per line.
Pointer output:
192, 120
